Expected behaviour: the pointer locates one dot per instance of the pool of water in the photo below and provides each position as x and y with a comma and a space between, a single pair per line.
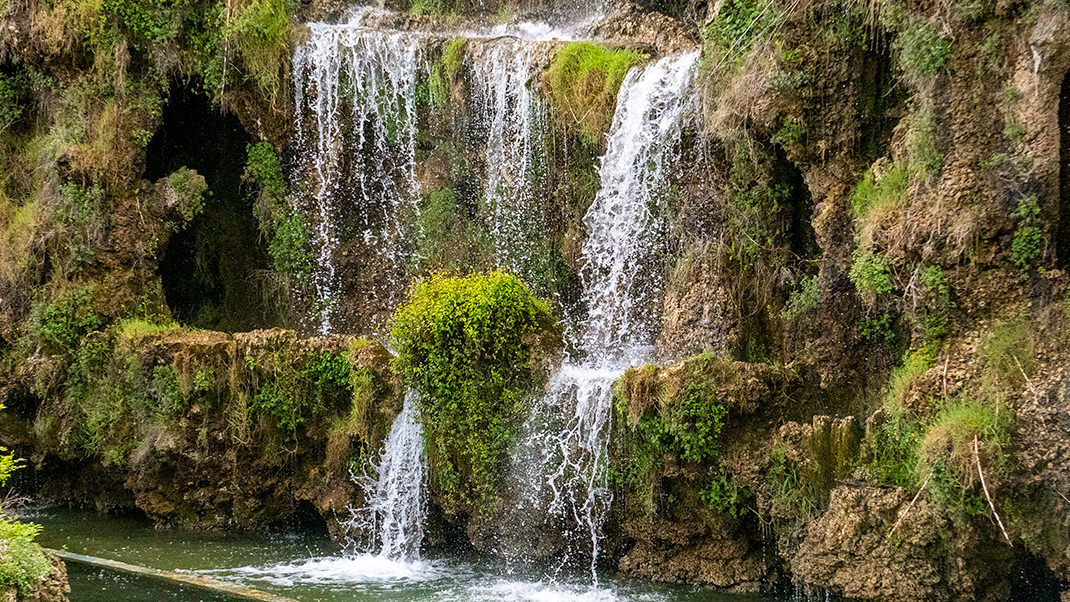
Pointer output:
310, 569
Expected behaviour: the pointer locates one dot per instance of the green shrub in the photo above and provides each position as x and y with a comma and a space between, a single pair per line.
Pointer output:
57, 327
464, 344
803, 299
738, 23
923, 49
290, 249
870, 273
1028, 237
582, 83
877, 328
724, 495
23, 564
189, 188
263, 171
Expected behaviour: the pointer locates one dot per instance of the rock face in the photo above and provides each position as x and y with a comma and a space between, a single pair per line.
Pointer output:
254, 425
852, 551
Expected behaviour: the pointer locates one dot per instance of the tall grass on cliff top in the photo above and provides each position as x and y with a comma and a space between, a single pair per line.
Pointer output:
465, 345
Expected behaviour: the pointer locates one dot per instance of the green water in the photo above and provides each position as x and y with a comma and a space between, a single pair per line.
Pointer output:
309, 568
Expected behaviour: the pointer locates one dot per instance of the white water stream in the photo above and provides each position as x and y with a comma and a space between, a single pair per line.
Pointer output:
622, 234
355, 89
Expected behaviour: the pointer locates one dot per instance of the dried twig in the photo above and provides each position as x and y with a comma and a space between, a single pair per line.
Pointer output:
977, 457
1028, 382
911, 505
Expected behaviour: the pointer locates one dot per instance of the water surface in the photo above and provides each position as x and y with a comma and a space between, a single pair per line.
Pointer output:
310, 568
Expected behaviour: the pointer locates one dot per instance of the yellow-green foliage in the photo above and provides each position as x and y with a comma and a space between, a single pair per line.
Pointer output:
582, 84
261, 32
963, 433
879, 195
445, 70
23, 564
464, 344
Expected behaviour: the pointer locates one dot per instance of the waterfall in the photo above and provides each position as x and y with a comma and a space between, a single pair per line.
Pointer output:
355, 97
622, 237
391, 522
513, 121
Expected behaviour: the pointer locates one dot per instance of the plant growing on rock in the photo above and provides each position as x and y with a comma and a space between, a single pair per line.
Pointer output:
466, 345
582, 84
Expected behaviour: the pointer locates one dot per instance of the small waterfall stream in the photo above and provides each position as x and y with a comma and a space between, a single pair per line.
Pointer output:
513, 119
622, 230
391, 523
355, 89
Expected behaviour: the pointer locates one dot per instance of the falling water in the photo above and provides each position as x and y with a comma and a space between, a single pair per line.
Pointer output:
622, 230
512, 118
355, 93
391, 522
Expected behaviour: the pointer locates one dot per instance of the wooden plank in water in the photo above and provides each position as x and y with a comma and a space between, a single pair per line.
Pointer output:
207, 583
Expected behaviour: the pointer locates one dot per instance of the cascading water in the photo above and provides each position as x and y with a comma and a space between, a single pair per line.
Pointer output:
513, 121
391, 523
355, 93
620, 329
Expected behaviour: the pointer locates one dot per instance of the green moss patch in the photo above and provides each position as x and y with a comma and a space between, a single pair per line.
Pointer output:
582, 84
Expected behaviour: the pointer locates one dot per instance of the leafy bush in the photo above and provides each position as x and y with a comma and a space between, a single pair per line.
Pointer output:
1028, 237
870, 273
56, 327
189, 188
803, 299
23, 564
923, 49
464, 344
582, 84
725, 496
290, 249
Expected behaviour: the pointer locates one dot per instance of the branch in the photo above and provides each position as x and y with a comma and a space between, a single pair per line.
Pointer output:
912, 502
977, 457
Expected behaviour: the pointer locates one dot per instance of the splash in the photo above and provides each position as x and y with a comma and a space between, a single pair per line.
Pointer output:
621, 292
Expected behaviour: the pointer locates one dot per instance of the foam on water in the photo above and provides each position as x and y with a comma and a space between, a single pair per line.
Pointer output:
338, 570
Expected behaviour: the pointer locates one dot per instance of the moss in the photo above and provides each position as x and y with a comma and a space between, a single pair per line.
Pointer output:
464, 344
290, 248
261, 32
448, 239
1007, 354
875, 195
444, 71
674, 420
582, 83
